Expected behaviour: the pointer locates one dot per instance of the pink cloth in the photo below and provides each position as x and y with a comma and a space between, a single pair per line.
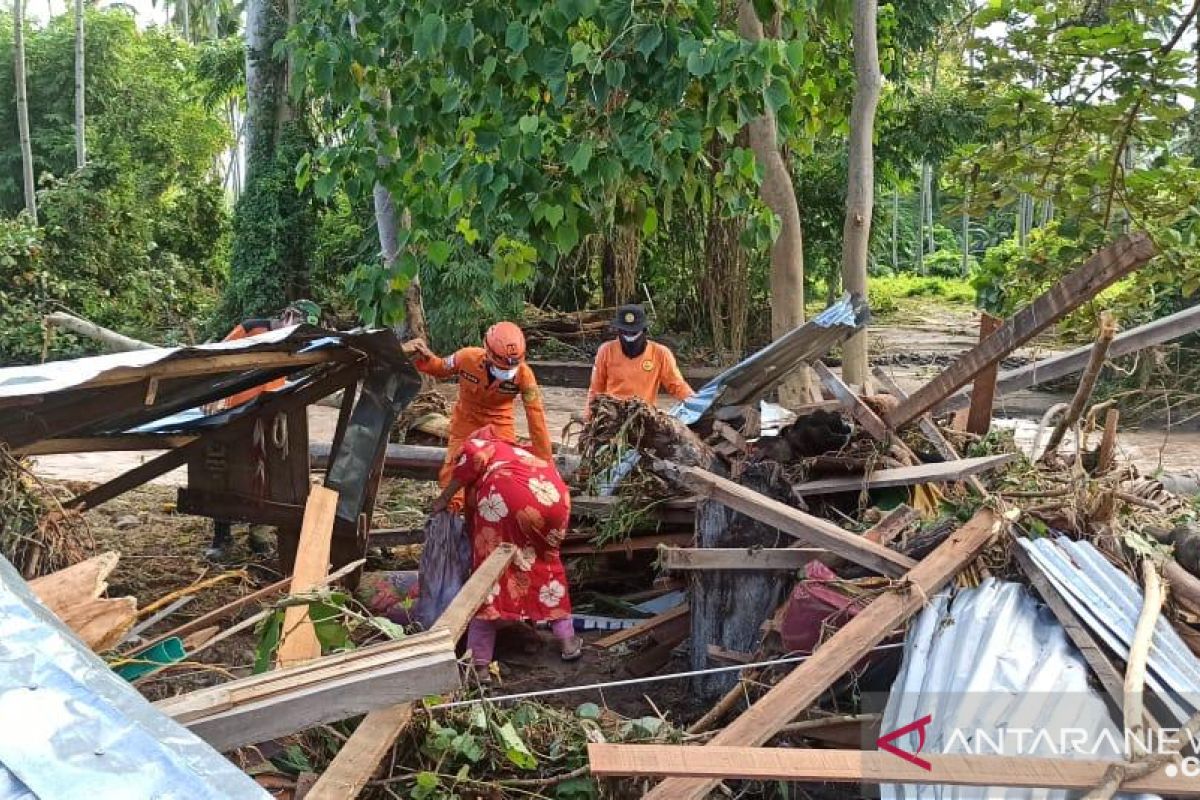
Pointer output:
481, 637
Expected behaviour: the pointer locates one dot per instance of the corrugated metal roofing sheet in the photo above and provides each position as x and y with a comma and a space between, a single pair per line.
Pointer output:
73, 728
1109, 603
987, 663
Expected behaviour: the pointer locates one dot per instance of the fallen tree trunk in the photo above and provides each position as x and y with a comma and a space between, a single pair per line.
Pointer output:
116, 342
730, 607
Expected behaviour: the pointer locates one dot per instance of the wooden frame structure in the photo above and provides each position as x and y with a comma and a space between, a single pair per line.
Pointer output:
248, 464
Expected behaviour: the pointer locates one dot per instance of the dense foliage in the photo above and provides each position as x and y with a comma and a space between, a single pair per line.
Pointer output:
135, 240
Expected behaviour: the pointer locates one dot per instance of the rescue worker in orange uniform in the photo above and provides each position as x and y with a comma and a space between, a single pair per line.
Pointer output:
490, 378
299, 311
633, 366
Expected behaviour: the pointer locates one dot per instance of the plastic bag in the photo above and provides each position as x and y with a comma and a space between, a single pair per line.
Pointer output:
446, 563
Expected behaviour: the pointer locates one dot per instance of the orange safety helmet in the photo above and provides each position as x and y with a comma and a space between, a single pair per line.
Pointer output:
505, 345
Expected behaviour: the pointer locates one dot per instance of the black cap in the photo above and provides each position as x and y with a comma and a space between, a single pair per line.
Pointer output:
630, 319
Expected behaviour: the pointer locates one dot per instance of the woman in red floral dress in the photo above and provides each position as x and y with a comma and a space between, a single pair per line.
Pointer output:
518, 498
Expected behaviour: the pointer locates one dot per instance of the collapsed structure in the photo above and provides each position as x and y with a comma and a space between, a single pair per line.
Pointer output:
1017, 589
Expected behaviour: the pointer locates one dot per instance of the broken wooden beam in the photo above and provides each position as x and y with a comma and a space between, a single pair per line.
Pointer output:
262, 707
852, 403
630, 545
894, 523
1100, 271
74, 595
106, 444
845, 648
674, 559
351, 768
983, 393
943, 472
642, 628
805, 527
712, 763
1049, 369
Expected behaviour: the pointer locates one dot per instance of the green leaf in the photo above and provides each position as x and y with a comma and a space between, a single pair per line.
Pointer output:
588, 711
614, 73
268, 641
426, 784
325, 185
430, 35
650, 223
795, 54
468, 747
777, 94
649, 40
515, 748
439, 252
388, 628
581, 159
516, 38
552, 214
566, 237
528, 123
580, 52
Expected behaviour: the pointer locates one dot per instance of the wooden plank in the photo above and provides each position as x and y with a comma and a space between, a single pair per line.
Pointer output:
695, 558
714, 763
214, 365
928, 427
805, 527
105, 444
629, 545
172, 459
894, 523
1153, 333
351, 768
339, 432
281, 702
852, 403
1100, 271
840, 652
944, 472
298, 638
642, 628
983, 395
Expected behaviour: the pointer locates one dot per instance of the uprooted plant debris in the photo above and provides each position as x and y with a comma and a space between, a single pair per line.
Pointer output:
37, 534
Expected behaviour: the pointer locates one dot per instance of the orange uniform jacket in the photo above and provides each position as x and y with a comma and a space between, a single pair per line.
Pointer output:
617, 375
251, 327
483, 400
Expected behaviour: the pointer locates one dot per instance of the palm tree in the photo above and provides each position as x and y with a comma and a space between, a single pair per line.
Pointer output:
23, 108
80, 145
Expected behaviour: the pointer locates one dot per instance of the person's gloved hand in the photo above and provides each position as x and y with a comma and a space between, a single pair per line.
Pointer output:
416, 347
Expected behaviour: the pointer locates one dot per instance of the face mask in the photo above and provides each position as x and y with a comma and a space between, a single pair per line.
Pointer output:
633, 346
503, 374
